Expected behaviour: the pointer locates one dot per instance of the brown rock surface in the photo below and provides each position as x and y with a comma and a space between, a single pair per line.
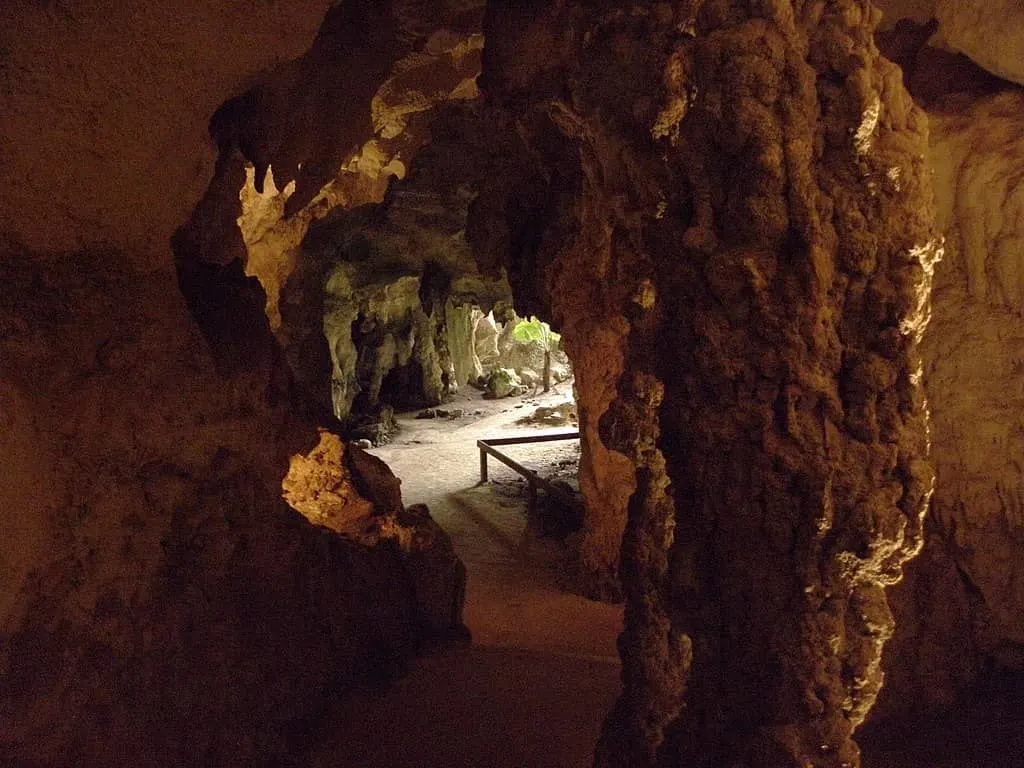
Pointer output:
739, 264
961, 608
104, 111
160, 603
988, 31
721, 207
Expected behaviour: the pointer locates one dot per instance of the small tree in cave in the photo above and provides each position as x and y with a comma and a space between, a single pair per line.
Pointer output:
533, 330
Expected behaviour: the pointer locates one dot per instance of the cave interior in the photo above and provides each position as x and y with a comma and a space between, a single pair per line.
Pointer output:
778, 249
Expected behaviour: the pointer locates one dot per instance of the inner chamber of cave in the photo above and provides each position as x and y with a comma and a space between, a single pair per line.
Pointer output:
780, 243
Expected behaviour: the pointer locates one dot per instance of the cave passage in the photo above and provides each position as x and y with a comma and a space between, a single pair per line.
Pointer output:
259, 257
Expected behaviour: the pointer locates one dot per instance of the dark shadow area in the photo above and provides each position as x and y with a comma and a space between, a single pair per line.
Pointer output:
513, 709
983, 729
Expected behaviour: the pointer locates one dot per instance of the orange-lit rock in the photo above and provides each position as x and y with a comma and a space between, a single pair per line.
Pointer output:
988, 32
746, 219
161, 604
961, 609
319, 486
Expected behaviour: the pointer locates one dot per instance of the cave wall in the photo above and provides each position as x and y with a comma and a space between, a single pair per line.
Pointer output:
160, 604
390, 214
959, 610
741, 279
105, 112
140, 467
106, 176
974, 351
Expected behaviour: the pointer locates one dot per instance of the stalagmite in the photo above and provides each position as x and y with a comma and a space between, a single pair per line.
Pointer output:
751, 233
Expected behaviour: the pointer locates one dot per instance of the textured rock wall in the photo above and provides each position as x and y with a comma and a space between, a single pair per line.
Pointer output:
989, 32
962, 606
395, 283
176, 611
316, 151
161, 604
105, 111
379, 330
110, 165
403, 108
974, 353
741, 278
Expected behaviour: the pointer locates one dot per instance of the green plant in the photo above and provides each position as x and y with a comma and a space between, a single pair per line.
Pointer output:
533, 330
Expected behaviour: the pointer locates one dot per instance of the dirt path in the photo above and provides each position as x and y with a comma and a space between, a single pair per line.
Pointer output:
543, 669
542, 672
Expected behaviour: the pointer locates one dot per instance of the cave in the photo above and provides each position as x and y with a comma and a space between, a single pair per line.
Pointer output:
780, 243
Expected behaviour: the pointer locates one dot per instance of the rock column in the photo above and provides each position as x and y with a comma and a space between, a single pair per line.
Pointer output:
741, 282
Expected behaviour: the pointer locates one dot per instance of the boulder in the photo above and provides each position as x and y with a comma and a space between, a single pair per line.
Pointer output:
437, 574
503, 382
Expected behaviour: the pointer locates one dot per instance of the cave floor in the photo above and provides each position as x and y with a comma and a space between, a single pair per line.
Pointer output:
542, 670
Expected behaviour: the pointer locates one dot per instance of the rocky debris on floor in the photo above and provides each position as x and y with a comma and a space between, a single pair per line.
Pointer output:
503, 382
552, 416
379, 427
444, 413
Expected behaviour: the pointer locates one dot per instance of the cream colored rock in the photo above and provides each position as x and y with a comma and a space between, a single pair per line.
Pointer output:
990, 32
320, 486
273, 241
459, 327
974, 352
374, 328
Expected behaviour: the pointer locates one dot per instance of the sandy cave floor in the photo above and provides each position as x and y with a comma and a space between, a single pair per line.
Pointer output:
542, 671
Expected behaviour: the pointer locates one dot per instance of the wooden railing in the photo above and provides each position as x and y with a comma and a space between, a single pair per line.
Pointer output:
534, 481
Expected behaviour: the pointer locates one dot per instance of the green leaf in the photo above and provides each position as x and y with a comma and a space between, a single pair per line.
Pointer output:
531, 330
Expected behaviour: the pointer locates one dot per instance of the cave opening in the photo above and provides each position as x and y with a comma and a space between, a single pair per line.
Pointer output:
728, 216
382, 329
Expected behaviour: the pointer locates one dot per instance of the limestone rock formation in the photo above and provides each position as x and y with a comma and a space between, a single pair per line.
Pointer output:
485, 339
721, 205
176, 609
961, 608
320, 486
159, 602
391, 287
355, 494
401, 109
989, 31
437, 574
740, 265
378, 331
